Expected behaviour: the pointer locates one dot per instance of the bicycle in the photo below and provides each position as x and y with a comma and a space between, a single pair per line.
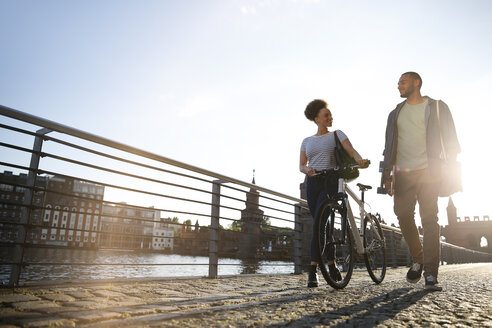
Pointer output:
338, 237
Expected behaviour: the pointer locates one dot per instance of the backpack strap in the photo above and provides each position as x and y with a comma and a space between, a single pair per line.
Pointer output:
438, 111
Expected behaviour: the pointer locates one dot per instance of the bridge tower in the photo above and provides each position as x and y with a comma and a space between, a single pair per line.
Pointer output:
467, 232
251, 218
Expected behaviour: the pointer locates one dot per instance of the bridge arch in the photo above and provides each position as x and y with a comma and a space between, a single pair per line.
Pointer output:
484, 242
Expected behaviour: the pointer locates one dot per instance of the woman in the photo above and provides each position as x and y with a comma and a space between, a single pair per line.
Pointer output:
317, 153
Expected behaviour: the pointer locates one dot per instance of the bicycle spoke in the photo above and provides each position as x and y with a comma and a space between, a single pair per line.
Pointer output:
335, 245
374, 247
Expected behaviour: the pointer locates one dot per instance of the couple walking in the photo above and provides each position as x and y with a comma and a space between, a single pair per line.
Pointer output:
413, 147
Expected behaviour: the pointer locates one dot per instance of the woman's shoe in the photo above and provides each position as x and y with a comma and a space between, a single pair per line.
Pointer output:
313, 277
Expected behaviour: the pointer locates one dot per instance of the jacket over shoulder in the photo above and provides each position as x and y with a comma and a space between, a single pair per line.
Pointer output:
433, 140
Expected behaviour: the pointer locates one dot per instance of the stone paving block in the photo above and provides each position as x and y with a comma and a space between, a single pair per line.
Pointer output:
58, 297
54, 310
167, 292
14, 298
33, 305
91, 316
169, 299
107, 293
46, 322
6, 313
160, 308
142, 295
128, 302
87, 304
65, 290
80, 294
134, 311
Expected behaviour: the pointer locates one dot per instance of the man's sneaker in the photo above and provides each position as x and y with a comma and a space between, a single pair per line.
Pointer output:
432, 284
335, 273
415, 273
313, 277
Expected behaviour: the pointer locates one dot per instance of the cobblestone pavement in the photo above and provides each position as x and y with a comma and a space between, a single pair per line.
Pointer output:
257, 301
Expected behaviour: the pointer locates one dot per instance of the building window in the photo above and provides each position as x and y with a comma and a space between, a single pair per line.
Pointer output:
6, 187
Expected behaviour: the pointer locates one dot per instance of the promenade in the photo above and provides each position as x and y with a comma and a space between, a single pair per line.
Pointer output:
256, 301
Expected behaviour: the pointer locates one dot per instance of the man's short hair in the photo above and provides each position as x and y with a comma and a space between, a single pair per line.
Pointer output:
414, 76
313, 108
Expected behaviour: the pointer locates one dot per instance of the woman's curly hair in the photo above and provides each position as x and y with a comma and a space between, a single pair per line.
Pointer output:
313, 108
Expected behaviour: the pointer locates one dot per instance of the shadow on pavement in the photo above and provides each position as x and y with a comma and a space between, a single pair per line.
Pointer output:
368, 313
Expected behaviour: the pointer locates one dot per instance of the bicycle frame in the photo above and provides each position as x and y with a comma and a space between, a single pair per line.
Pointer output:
356, 233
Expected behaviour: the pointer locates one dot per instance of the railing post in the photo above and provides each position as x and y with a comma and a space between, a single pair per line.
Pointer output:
297, 241
18, 253
393, 249
441, 251
213, 245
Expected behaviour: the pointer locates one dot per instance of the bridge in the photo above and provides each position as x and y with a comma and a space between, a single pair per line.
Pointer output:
77, 191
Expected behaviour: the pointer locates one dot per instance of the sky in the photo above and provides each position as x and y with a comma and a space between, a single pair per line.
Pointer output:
223, 84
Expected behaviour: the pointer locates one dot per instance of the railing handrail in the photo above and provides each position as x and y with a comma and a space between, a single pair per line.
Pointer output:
54, 126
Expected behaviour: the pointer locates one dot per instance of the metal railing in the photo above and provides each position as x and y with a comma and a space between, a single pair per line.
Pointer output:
84, 194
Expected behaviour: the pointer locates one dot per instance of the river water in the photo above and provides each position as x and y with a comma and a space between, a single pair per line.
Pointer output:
106, 264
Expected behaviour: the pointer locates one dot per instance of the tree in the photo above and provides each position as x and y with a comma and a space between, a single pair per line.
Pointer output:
235, 226
266, 223
187, 225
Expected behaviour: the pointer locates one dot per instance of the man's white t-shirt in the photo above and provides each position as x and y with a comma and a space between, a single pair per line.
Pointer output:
411, 153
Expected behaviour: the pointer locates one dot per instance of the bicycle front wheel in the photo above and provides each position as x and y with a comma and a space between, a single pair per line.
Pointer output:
374, 247
333, 238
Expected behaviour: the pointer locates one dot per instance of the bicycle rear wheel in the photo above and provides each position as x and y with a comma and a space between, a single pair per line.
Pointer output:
374, 246
334, 241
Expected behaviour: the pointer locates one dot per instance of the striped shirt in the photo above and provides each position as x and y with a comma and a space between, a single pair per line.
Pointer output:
320, 150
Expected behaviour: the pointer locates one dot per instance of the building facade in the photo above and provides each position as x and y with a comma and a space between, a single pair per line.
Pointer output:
12, 201
163, 236
71, 213
128, 227
64, 212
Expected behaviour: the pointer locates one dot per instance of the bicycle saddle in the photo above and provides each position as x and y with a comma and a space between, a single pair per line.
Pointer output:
363, 187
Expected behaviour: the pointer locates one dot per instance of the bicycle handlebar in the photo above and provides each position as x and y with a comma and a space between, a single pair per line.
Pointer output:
336, 169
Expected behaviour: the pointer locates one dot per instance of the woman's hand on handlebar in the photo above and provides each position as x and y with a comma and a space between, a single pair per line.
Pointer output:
363, 163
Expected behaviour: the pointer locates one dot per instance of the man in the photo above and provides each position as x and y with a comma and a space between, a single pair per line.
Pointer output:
413, 148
